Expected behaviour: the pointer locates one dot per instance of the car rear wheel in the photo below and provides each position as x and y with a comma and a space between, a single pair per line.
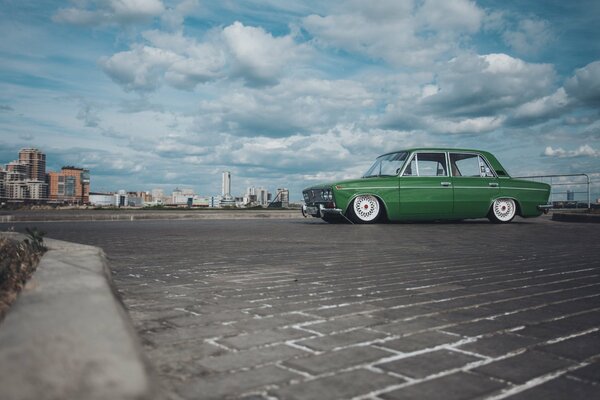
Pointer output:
365, 209
503, 210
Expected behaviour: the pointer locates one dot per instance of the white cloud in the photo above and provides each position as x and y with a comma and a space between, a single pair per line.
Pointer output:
543, 108
457, 15
582, 151
99, 12
530, 36
404, 33
259, 57
174, 17
479, 85
292, 106
585, 84
140, 68
134, 9
236, 51
466, 125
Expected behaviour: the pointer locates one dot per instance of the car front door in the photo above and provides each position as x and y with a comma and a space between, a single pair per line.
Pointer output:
475, 185
425, 186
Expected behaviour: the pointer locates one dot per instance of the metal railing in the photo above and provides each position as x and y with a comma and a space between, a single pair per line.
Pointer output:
567, 182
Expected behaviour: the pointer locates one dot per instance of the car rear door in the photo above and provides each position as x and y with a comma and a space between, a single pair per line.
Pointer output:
475, 184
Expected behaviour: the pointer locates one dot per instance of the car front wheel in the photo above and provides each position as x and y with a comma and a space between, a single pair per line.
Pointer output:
365, 209
503, 210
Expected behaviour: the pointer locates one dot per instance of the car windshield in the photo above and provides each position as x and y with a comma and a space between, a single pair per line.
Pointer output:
387, 165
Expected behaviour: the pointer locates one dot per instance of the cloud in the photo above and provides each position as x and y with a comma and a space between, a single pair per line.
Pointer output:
4, 107
582, 151
530, 36
542, 109
475, 94
466, 125
237, 51
484, 85
456, 16
340, 148
88, 114
421, 32
259, 57
139, 69
174, 17
101, 12
585, 84
292, 106
100, 162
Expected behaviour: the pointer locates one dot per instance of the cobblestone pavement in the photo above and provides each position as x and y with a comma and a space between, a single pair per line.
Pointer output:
298, 309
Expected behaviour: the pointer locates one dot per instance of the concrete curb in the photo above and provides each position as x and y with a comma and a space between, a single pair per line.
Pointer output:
576, 217
93, 215
68, 337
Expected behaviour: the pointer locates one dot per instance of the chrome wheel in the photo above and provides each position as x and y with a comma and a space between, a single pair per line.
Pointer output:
366, 209
503, 210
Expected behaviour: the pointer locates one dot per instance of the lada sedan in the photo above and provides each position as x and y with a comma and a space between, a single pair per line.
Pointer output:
429, 184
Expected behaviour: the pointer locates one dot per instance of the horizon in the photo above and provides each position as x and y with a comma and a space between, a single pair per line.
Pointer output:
163, 93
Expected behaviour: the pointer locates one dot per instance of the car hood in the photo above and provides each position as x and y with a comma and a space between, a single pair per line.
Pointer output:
347, 183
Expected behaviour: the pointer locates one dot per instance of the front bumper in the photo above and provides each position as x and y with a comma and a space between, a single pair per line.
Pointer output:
319, 210
544, 207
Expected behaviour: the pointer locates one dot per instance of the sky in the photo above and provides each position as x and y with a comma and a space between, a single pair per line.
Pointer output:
166, 93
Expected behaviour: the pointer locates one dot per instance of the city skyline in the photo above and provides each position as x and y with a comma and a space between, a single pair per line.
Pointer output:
26, 180
164, 93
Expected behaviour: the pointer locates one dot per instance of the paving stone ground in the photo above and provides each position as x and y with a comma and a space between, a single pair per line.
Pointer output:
299, 309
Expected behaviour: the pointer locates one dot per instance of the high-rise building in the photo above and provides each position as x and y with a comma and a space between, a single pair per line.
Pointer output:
70, 185
226, 184
226, 199
262, 196
2, 184
17, 171
36, 161
20, 181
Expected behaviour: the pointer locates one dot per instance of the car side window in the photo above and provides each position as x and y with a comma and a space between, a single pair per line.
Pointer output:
469, 165
427, 164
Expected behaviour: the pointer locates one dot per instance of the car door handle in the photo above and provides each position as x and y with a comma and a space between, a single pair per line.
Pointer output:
493, 184
445, 183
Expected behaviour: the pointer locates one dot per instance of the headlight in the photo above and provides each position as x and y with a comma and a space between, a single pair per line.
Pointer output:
327, 195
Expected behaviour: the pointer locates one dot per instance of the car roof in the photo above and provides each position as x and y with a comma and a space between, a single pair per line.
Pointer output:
489, 156
452, 149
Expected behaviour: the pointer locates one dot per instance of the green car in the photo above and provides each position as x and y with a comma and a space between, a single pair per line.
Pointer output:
429, 184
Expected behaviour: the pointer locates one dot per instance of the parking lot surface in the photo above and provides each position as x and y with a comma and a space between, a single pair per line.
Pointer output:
299, 309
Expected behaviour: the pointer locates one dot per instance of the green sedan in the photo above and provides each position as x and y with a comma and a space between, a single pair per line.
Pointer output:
429, 184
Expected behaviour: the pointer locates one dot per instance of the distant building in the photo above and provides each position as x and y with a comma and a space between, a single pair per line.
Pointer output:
282, 199
17, 171
2, 183
24, 179
256, 197
103, 199
70, 185
182, 197
158, 196
36, 162
226, 199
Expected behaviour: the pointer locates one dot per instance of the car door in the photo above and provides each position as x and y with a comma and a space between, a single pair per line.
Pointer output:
425, 186
475, 184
